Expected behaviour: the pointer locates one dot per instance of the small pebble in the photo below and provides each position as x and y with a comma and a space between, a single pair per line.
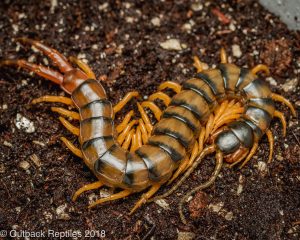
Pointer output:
216, 207
186, 236
7, 144
92, 198
279, 157
290, 85
262, 166
236, 51
155, 21
35, 159
24, 165
162, 203
171, 44
197, 6
24, 123
229, 216
272, 81
61, 212
2, 168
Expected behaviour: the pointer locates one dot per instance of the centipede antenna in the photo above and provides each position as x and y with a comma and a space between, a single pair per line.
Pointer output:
219, 163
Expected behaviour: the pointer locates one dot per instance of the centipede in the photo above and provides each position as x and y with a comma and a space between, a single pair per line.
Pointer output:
223, 111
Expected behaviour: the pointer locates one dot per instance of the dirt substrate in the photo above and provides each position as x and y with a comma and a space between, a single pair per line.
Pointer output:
122, 43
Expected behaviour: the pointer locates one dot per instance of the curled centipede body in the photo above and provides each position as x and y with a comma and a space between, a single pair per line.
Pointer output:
229, 107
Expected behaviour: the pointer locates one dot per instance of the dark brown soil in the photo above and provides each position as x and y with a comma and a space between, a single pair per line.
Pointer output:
121, 44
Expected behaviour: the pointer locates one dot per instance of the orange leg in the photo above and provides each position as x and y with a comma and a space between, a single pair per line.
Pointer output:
60, 99
209, 126
280, 98
76, 151
145, 118
40, 70
143, 131
261, 67
128, 138
237, 156
125, 100
127, 129
145, 197
162, 96
116, 196
179, 170
154, 108
168, 84
84, 67
201, 139
69, 126
271, 142
85, 188
58, 59
282, 119
125, 121
251, 153
66, 112
198, 64
223, 56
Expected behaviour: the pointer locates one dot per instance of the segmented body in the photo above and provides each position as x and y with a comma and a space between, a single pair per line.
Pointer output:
176, 141
174, 135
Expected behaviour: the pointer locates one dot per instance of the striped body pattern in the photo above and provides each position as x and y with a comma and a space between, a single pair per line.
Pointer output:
228, 107
174, 135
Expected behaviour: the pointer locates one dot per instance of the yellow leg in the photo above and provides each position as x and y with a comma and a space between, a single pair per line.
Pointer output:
59, 99
145, 118
154, 108
143, 131
145, 197
85, 188
209, 126
223, 56
271, 142
168, 84
69, 126
125, 100
197, 64
71, 146
83, 66
116, 196
162, 96
261, 67
179, 170
127, 129
237, 156
282, 119
225, 120
127, 141
220, 109
134, 142
125, 121
66, 112
201, 139
251, 153
280, 98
